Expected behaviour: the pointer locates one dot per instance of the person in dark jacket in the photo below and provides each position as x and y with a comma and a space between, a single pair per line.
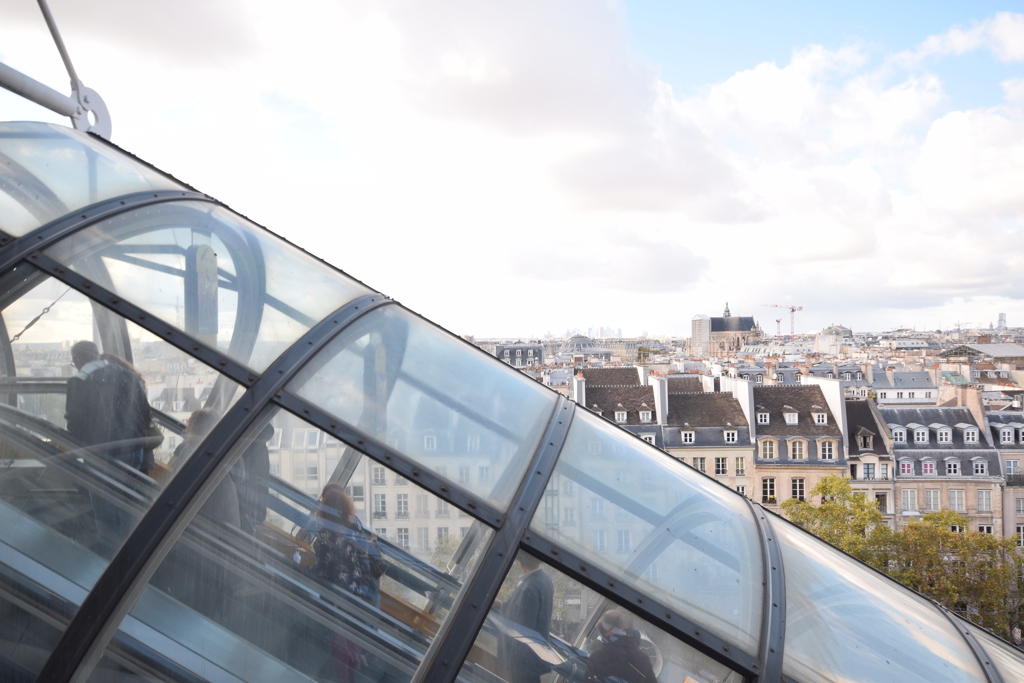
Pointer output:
529, 606
107, 411
618, 657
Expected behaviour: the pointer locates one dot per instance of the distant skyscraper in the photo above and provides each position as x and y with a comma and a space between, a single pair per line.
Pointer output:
1002, 321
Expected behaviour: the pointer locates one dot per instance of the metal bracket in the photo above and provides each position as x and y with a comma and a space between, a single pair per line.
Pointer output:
773, 618
991, 673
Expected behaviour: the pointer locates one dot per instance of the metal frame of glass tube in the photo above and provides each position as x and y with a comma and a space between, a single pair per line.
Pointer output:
99, 616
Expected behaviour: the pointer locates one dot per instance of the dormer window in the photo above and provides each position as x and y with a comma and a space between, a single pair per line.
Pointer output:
687, 437
953, 467
980, 468
970, 436
928, 467
1006, 435
865, 442
745, 377
519, 352
847, 376
829, 375
645, 416
899, 435
860, 375
768, 450
762, 418
920, 436
759, 379
620, 416
791, 418
945, 436
798, 378
730, 436
506, 353
820, 418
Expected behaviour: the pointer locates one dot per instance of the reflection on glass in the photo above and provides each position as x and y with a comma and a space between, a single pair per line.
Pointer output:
85, 447
845, 622
320, 588
413, 387
212, 274
47, 171
545, 624
1006, 657
642, 515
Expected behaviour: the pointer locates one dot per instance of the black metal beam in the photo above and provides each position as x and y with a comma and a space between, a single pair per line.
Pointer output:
452, 493
443, 660
773, 611
44, 236
964, 629
168, 333
100, 613
673, 622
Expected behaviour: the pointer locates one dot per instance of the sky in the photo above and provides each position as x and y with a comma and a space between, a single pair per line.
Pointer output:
517, 169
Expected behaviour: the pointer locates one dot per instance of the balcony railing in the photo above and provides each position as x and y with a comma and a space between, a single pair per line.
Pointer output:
1015, 479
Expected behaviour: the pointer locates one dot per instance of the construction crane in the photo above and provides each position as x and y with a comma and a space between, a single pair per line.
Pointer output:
792, 317
778, 328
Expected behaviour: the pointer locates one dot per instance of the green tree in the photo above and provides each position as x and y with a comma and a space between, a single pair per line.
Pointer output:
846, 519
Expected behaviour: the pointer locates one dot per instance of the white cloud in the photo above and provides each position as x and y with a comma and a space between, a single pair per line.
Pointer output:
1003, 34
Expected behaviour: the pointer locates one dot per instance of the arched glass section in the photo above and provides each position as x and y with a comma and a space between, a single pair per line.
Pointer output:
661, 526
1006, 658
543, 623
427, 395
47, 171
316, 594
84, 451
845, 621
212, 274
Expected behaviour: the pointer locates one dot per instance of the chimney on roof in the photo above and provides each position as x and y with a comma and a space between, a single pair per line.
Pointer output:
644, 372
579, 389
889, 372
660, 386
970, 397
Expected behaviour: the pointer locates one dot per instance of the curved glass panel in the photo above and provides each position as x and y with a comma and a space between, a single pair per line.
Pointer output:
453, 409
47, 171
640, 514
212, 274
305, 596
1006, 657
543, 622
83, 451
845, 622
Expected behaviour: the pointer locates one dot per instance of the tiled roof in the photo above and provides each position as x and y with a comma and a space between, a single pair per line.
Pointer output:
685, 385
804, 400
609, 400
610, 377
861, 420
704, 410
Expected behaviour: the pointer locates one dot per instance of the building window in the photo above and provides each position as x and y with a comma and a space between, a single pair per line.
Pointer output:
796, 450
687, 437
430, 443
882, 502
980, 467
909, 500
1020, 535
1013, 466
402, 506
622, 541
485, 473
882, 394
792, 418
519, 352
443, 510
885, 470
649, 438
768, 449
952, 467
984, 528
1005, 436
620, 416
931, 500
597, 540
768, 490
730, 437
899, 394
906, 469
869, 470
380, 506
741, 489
910, 395
762, 418
423, 538
984, 501
865, 441
721, 466
597, 508
402, 537
1020, 506
741, 467
798, 489
827, 450
759, 379
379, 476
899, 435
928, 468
569, 516
645, 416
698, 464
422, 505
829, 375
506, 353
529, 352
945, 436
472, 443
847, 376
927, 394
920, 436
970, 436
820, 418
464, 474
956, 500
956, 528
